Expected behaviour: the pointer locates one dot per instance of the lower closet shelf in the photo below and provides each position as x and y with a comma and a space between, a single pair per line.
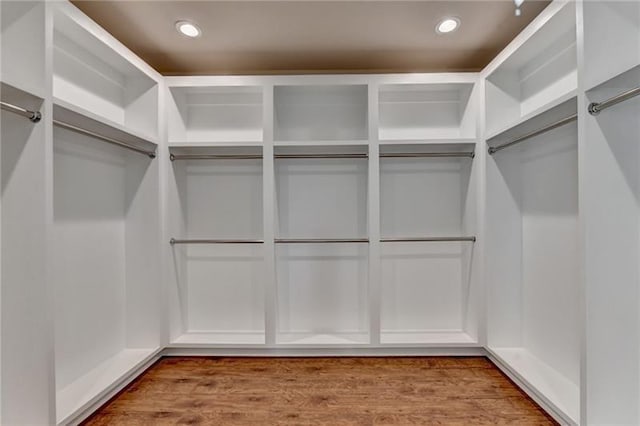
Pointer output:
86, 390
196, 339
553, 387
334, 338
418, 337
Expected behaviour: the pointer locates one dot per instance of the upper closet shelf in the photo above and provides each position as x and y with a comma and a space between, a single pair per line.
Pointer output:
427, 112
90, 75
76, 119
539, 74
220, 115
560, 111
320, 114
30, 104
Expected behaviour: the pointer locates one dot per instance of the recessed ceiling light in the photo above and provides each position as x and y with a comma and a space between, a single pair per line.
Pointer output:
188, 29
447, 25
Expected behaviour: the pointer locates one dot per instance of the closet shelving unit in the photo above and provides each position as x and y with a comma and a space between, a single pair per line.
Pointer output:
455, 213
532, 220
610, 146
312, 143
104, 218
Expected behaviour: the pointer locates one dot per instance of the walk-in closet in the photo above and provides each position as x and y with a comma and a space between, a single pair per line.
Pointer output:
190, 221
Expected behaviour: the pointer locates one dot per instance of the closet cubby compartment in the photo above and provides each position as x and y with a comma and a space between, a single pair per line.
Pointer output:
427, 193
427, 111
321, 285
219, 284
22, 38
307, 114
532, 264
93, 79
210, 115
540, 73
104, 267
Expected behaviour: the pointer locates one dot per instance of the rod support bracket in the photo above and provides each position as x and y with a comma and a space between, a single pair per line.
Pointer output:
492, 150
172, 241
36, 116
594, 108
172, 157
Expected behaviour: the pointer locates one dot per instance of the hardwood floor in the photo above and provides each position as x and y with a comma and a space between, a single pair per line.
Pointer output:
321, 391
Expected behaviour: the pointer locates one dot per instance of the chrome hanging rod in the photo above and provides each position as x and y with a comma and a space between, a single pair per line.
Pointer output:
174, 157
426, 239
174, 241
596, 107
427, 154
319, 240
493, 150
318, 156
33, 116
150, 154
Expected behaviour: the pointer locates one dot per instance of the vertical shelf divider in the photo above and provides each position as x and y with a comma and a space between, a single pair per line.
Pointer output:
268, 193
374, 217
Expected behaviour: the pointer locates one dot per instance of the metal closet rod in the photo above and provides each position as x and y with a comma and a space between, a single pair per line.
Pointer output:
596, 107
174, 157
427, 154
33, 116
150, 154
493, 150
319, 240
174, 241
426, 239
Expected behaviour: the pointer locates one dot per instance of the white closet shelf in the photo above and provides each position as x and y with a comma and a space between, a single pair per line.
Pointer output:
430, 141
97, 383
76, 116
551, 386
223, 338
301, 143
427, 338
333, 338
16, 96
210, 144
559, 109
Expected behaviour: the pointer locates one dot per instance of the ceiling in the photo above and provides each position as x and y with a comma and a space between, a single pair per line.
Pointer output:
299, 37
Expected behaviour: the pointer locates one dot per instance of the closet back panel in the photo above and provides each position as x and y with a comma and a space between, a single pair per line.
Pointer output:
319, 113
322, 289
422, 283
321, 198
225, 282
89, 256
534, 265
551, 312
422, 287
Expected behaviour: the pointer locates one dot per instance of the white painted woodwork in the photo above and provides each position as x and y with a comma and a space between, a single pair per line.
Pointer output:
92, 291
92, 75
612, 250
215, 114
426, 111
538, 71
